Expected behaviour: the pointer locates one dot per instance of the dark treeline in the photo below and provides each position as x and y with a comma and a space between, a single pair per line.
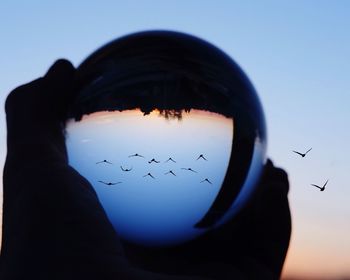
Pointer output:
170, 95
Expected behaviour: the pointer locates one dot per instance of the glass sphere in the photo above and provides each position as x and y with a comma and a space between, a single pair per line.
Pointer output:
169, 132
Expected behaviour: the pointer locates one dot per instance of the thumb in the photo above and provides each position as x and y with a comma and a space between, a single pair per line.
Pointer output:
61, 71
60, 82
38, 108
43, 97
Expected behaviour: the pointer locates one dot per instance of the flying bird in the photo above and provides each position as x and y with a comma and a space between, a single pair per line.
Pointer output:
109, 183
149, 174
201, 157
125, 169
136, 155
170, 159
206, 180
321, 188
103, 161
170, 172
189, 169
303, 154
153, 160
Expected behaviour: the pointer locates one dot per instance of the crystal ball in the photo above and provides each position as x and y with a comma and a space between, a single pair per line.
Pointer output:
170, 133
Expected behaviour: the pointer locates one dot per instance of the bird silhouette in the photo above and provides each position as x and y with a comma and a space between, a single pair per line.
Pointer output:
148, 174
303, 154
170, 172
206, 180
321, 188
201, 157
125, 169
103, 161
189, 169
110, 184
153, 160
170, 159
136, 155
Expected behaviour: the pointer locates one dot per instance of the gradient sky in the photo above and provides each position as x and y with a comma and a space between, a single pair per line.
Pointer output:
161, 210
297, 55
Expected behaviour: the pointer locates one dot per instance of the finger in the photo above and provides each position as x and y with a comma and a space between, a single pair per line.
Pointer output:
272, 176
38, 108
62, 71
270, 220
52, 91
60, 82
272, 226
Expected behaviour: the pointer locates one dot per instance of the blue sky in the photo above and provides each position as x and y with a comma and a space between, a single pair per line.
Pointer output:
164, 209
297, 55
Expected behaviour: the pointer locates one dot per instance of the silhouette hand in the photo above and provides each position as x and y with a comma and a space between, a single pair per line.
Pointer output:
252, 246
54, 226
47, 205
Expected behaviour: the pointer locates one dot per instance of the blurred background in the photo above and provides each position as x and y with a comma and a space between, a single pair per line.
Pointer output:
297, 55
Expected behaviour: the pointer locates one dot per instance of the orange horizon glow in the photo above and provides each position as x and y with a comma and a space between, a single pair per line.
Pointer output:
157, 113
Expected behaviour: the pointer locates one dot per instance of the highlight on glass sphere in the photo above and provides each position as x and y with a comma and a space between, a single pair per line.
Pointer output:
170, 133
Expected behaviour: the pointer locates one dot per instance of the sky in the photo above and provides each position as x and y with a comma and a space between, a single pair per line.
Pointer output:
149, 205
296, 54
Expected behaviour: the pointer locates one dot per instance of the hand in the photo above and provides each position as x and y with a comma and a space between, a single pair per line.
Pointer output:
48, 206
54, 226
251, 246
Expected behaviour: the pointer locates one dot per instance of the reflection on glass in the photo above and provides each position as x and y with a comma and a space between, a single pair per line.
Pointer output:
165, 206
169, 132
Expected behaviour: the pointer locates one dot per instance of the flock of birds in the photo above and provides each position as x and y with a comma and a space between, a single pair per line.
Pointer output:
153, 160
317, 186
171, 172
